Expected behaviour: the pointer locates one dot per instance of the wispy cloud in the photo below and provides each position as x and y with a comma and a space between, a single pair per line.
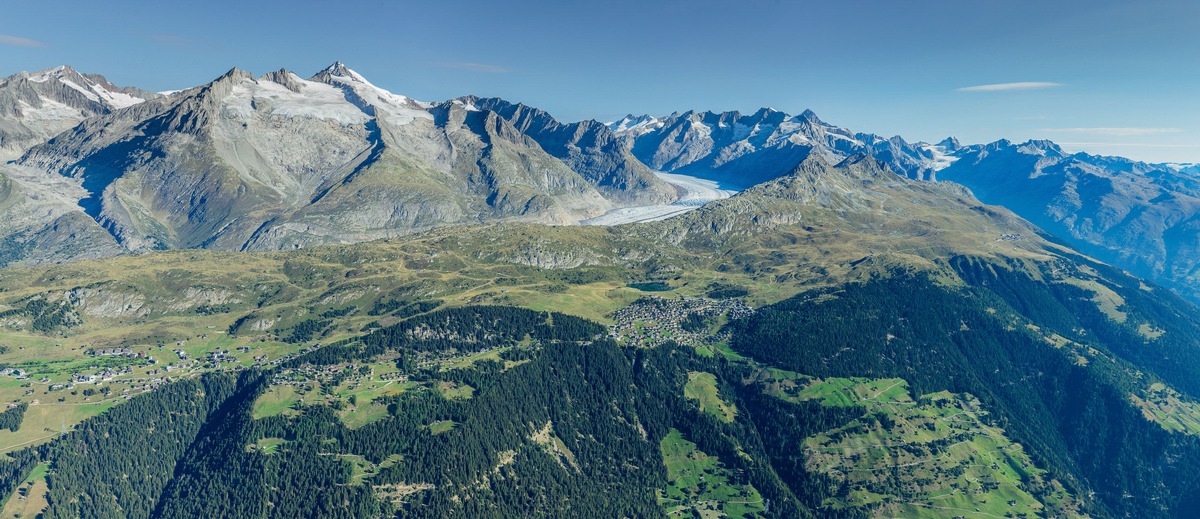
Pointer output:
474, 67
1113, 132
17, 41
1002, 87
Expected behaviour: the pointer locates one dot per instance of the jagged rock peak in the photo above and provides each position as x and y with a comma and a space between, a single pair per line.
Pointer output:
632, 122
58, 72
233, 75
1040, 147
864, 162
366, 94
285, 78
998, 145
338, 71
950, 144
809, 115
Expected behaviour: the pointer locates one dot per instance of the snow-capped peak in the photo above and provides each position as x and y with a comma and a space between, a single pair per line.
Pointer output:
950, 144
940, 155
94, 88
395, 108
342, 72
631, 123
1040, 147
467, 103
808, 115
1180, 166
51, 73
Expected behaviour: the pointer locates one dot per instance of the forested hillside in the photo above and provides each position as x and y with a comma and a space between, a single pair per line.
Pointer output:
842, 342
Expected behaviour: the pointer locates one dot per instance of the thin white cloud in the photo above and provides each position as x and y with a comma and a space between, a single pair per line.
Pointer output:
1113, 132
17, 41
1002, 87
474, 67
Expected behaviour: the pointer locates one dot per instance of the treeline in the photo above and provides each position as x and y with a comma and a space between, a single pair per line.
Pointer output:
481, 326
12, 417
46, 316
573, 432
118, 463
465, 328
1070, 311
403, 308
14, 468
1075, 420
305, 330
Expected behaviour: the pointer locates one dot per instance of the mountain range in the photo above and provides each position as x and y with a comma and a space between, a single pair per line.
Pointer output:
35, 107
822, 328
1139, 216
276, 297
277, 162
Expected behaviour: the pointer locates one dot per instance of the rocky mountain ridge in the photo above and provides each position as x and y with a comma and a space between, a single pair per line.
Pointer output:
1138, 216
37, 106
279, 161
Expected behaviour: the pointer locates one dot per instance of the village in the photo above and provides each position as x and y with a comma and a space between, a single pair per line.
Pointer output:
688, 321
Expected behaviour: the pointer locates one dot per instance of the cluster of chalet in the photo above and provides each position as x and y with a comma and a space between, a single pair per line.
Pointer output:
354, 373
654, 321
14, 372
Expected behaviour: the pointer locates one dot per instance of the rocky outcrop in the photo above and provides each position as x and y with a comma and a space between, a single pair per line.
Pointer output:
278, 162
37, 106
589, 148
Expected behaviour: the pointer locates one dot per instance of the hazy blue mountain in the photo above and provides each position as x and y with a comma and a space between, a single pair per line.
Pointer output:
1141, 217
1137, 216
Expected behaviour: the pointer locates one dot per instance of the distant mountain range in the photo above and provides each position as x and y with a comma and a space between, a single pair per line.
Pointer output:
278, 161
849, 335
1139, 216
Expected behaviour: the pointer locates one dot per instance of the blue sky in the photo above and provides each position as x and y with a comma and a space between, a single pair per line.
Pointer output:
1103, 76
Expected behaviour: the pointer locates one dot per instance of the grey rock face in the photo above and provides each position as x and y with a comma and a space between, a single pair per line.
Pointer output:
1141, 217
41, 223
589, 148
274, 162
37, 106
278, 162
749, 149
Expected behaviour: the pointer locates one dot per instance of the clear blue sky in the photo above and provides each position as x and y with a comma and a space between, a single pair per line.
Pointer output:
1116, 77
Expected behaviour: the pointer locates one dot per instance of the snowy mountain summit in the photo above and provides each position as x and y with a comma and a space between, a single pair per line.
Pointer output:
277, 161
36, 106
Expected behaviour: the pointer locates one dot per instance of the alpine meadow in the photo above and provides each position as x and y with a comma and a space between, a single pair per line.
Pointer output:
285, 294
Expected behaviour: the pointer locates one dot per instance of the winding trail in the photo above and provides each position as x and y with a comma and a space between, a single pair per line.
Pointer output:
697, 192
